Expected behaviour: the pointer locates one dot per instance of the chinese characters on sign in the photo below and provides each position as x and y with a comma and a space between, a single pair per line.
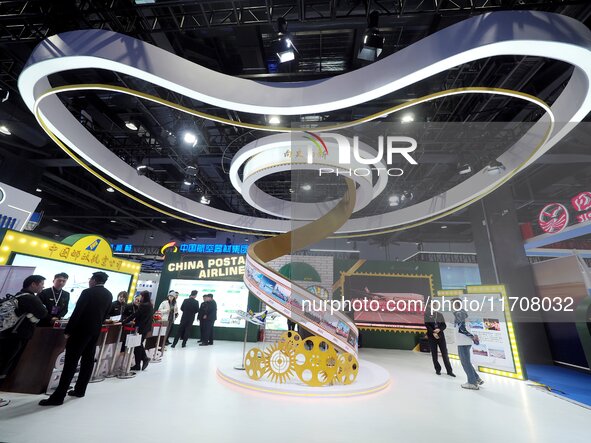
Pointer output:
201, 248
81, 256
119, 247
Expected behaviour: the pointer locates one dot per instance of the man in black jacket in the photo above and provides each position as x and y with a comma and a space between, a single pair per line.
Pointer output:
82, 332
435, 324
55, 299
190, 308
14, 340
208, 319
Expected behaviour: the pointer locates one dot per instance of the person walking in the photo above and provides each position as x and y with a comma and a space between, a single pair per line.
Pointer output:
169, 311
82, 332
435, 324
464, 340
190, 308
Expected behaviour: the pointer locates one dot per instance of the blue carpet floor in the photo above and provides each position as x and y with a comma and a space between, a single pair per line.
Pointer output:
565, 382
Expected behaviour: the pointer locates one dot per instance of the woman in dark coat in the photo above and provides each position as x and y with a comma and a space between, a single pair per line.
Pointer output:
143, 323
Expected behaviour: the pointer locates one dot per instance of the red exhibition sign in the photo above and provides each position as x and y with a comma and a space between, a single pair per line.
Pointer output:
553, 218
582, 201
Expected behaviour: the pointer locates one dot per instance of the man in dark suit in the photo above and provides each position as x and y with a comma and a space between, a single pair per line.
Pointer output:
435, 324
190, 308
82, 333
55, 299
208, 319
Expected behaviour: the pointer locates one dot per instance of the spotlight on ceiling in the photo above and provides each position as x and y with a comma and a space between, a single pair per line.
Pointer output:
464, 169
163, 222
394, 200
190, 138
191, 170
38, 190
143, 169
113, 221
187, 182
54, 220
443, 226
407, 118
285, 48
4, 130
151, 236
274, 120
373, 42
205, 200
109, 189
494, 168
132, 125
306, 187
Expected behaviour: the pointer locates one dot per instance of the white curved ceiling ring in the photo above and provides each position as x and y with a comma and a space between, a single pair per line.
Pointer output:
500, 33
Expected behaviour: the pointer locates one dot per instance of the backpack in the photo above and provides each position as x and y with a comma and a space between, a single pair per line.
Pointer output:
8, 317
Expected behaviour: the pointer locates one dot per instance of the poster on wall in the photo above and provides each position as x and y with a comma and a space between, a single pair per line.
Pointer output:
78, 276
230, 297
387, 300
489, 323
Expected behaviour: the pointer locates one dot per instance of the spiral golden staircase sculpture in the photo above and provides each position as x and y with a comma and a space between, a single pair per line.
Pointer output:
330, 355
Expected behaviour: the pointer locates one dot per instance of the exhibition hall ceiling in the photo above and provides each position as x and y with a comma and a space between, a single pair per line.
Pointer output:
237, 38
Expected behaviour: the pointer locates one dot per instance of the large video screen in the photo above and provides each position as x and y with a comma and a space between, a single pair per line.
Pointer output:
230, 296
79, 276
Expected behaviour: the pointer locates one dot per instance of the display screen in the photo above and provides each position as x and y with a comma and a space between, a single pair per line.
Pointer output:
79, 276
230, 296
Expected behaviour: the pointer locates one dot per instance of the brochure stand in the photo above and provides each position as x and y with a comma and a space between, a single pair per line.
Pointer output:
131, 341
159, 331
112, 373
96, 377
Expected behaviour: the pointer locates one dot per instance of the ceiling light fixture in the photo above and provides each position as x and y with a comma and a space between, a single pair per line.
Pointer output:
464, 169
205, 200
109, 189
54, 220
187, 182
131, 125
163, 221
444, 227
306, 187
285, 47
274, 120
190, 138
113, 221
373, 42
494, 168
38, 190
144, 169
407, 118
4, 130
394, 200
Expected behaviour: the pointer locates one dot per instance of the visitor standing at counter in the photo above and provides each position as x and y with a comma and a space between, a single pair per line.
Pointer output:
143, 322
55, 299
82, 332
118, 306
190, 308
29, 310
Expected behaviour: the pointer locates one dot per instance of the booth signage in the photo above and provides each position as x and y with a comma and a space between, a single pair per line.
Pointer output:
205, 248
211, 268
120, 247
555, 217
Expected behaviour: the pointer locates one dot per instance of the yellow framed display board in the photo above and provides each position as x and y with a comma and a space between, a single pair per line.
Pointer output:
497, 352
92, 251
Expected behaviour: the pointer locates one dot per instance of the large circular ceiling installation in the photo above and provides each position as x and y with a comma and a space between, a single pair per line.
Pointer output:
523, 33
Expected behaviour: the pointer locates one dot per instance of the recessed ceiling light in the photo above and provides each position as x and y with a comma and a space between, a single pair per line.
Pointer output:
205, 200
38, 190
464, 169
4, 130
113, 221
274, 120
444, 227
187, 182
109, 189
394, 200
131, 125
407, 118
54, 220
494, 168
190, 138
163, 221
306, 187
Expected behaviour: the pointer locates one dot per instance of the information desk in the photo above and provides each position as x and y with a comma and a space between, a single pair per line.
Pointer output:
34, 369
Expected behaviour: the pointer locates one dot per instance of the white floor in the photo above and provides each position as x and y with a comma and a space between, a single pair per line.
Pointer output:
181, 400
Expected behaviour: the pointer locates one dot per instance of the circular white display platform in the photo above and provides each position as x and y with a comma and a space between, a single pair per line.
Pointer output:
371, 378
